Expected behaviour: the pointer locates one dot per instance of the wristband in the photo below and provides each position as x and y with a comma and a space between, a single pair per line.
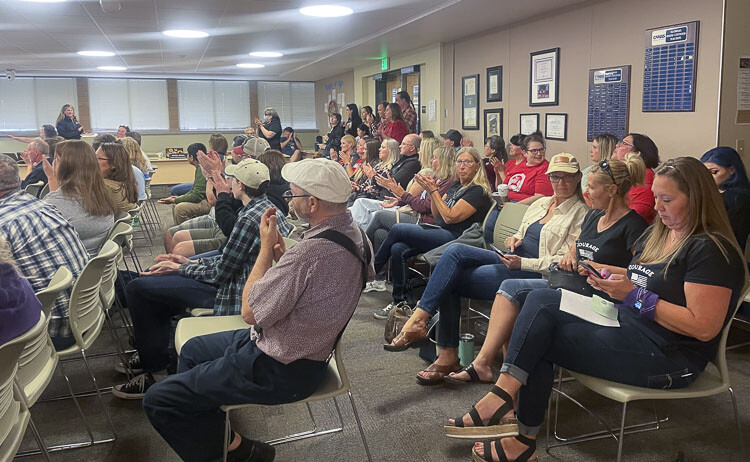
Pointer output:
643, 301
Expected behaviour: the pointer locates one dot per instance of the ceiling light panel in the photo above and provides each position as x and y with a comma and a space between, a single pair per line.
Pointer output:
326, 11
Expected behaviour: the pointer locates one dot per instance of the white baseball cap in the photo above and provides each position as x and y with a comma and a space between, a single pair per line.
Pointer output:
323, 178
250, 172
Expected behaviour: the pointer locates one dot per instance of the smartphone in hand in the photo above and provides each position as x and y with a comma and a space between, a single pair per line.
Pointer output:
498, 251
590, 270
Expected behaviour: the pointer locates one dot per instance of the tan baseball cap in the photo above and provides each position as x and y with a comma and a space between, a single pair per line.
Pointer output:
323, 178
255, 146
563, 162
250, 172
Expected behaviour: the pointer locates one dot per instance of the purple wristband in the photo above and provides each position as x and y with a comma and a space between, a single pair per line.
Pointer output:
643, 301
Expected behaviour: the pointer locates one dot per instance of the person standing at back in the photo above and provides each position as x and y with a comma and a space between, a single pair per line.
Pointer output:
270, 128
407, 110
67, 123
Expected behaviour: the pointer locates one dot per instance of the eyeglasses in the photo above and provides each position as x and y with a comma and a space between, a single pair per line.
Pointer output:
102, 158
464, 162
565, 178
624, 143
604, 165
537, 151
289, 195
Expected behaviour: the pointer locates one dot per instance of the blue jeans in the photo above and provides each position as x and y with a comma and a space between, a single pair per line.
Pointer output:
543, 336
180, 189
489, 227
404, 241
516, 290
152, 302
217, 369
463, 271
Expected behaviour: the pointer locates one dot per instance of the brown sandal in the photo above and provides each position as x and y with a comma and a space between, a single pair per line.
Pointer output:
438, 373
407, 339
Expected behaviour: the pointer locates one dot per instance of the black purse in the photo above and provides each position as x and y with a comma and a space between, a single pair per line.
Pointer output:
569, 280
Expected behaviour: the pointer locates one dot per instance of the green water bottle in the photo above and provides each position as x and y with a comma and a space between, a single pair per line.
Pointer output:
466, 349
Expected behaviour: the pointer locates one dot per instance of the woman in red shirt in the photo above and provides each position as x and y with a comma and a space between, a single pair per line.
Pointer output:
640, 197
515, 157
528, 181
395, 126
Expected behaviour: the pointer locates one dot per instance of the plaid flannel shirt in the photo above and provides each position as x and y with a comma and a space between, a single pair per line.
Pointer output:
42, 241
410, 116
230, 270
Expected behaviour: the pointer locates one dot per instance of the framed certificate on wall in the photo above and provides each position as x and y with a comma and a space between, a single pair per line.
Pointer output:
529, 123
493, 122
494, 84
556, 127
544, 79
470, 102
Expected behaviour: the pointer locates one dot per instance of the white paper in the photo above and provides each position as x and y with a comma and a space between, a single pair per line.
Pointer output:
432, 110
580, 307
470, 87
528, 125
493, 84
555, 126
333, 94
743, 84
470, 116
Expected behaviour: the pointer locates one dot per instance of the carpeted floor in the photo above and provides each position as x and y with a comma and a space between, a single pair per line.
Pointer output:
402, 420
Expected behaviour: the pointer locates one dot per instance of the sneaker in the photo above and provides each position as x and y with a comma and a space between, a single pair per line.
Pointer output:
383, 314
134, 363
135, 388
375, 286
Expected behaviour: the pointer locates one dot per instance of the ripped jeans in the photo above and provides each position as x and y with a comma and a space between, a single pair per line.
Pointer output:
544, 336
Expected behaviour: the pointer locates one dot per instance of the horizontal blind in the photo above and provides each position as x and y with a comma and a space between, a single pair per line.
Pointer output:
149, 109
294, 101
195, 99
17, 107
232, 104
51, 95
108, 103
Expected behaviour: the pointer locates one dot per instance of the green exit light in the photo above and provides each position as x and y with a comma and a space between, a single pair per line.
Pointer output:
385, 64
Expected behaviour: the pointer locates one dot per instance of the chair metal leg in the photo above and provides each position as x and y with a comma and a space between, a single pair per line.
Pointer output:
359, 425
737, 422
622, 431
99, 395
39, 439
226, 437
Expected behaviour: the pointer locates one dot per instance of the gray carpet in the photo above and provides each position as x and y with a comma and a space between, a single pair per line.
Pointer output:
402, 420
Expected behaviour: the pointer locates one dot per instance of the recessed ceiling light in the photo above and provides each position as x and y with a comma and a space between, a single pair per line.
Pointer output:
112, 68
95, 53
185, 33
250, 65
266, 54
326, 11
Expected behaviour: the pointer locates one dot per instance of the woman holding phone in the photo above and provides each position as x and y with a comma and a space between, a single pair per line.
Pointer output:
608, 234
547, 232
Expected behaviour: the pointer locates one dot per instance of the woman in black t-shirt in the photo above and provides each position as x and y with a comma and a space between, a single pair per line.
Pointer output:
270, 128
608, 236
465, 203
678, 293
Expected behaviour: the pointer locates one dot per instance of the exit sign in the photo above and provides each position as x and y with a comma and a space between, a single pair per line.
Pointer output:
385, 64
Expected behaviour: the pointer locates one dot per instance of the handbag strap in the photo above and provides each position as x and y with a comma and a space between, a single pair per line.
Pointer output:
345, 242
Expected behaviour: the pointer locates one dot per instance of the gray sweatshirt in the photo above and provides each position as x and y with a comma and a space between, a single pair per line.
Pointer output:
92, 230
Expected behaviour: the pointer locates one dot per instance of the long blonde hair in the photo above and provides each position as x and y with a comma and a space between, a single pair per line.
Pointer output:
706, 213
134, 153
393, 153
446, 162
480, 178
61, 116
78, 174
625, 174
426, 150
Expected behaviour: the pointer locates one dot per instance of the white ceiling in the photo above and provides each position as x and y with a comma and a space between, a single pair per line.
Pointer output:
43, 38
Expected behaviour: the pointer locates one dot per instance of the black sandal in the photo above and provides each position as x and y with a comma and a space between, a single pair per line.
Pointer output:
497, 426
473, 377
487, 448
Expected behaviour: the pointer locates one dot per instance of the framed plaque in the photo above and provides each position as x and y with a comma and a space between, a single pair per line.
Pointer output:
470, 102
529, 123
493, 122
556, 127
544, 82
494, 84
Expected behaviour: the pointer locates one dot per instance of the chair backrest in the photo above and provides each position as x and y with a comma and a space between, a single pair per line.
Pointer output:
747, 249
9, 406
34, 188
44, 191
85, 309
340, 369
109, 277
122, 235
507, 224
721, 353
136, 211
61, 280
37, 362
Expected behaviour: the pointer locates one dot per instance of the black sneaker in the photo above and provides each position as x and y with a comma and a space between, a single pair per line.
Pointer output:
134, 363
135, 388
252, 451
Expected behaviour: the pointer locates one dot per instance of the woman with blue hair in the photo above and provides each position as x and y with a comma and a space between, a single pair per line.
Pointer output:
729, 174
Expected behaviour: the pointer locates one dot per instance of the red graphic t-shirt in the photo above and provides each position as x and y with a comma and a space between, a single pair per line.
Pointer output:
524, 181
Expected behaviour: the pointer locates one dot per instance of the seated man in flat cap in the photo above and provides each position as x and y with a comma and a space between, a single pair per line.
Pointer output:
298, 309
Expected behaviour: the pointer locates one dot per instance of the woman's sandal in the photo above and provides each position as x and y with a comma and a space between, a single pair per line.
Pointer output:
497, 426
407, 339
487, 448
473, 377
439, 372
